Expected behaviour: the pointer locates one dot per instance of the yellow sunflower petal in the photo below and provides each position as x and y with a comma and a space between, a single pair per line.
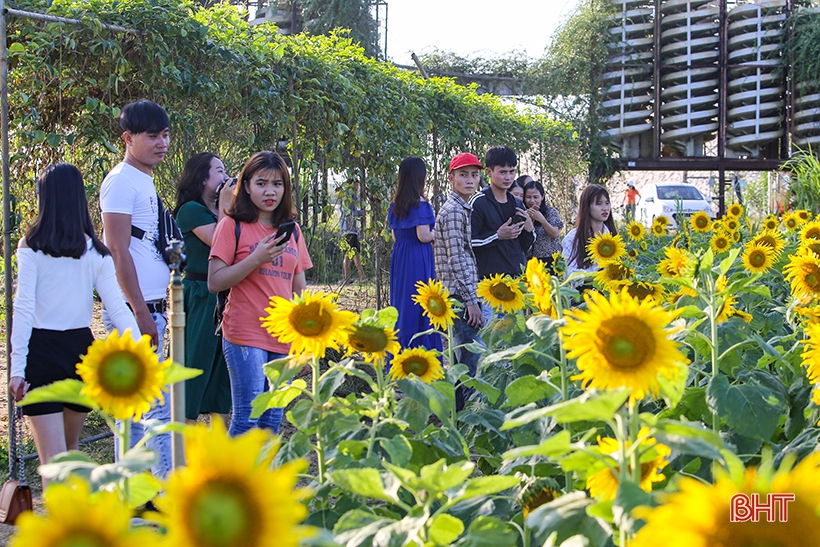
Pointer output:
605, 246
635, 230
539, 285
735, 210
700, 222
122, 376
758, 258
374, 342
502, 293
434, 299
677, 263
803, 271
419, 361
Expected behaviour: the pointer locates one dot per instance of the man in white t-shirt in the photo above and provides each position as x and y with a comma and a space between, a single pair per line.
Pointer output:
128, 200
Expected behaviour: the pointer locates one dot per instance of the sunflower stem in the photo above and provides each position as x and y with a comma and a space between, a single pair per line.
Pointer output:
558, 303
634, 428
450, 360
320, 451
714, 337
125, 440
379, 366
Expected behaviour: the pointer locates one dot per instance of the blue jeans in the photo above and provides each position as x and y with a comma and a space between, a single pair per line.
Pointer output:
463, 333
161, 444
247, 381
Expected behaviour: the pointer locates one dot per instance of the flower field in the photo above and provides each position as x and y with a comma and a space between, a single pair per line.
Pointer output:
632, 414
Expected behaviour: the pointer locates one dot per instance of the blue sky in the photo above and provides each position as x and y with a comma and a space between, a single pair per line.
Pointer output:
487, 28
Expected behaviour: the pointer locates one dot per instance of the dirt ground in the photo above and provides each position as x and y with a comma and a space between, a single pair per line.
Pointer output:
354, 296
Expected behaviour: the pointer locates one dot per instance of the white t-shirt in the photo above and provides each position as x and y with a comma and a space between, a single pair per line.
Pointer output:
58, 294
129, 191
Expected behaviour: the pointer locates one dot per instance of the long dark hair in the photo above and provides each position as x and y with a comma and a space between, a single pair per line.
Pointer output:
243, 209
194, 174
583, 225
412, 174
535, 185
63, 222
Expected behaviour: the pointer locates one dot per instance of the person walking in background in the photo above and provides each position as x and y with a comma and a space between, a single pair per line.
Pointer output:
547, 224
594, 218
197, 212
411, 220
255, 264
130, 209
60, 263
455, 262
349, 226
631, 196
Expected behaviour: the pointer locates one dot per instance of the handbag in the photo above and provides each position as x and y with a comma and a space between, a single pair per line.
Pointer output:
15, 496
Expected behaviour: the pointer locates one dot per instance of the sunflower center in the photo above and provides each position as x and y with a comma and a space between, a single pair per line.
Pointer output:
812, 278
502, 292
813, 233
368, 339
636, 231
627, 342
791, 223
121, 374
757, 258
82, 541
222, 515
701, 222
606, 249
415, 365
436, 305
309, 319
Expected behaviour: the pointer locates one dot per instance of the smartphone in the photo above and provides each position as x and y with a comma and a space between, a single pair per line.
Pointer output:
285, 228
518, 218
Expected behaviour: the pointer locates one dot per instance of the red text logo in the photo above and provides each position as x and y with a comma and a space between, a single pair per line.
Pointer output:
775, 508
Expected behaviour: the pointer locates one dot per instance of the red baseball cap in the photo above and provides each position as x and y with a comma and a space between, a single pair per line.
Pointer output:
465, 159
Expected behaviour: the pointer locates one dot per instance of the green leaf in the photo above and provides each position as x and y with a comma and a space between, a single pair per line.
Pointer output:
298, 446
591, 405
673, 390
279, 372
484, 486
707, 260
357, 525
141, 489
689, 438
727, 262
387, 317
63, 391
134, 462
427, 396
438, 477
445, 529
366, 482
567, 517
629, 497
488, 390
414, 413
54, 139
178, 373
62, 465
750, 410
399, 450
17, 47
528, 389
487, 531
554, 447
543, 326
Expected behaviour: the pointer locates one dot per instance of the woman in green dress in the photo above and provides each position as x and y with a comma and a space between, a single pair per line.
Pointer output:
200, 203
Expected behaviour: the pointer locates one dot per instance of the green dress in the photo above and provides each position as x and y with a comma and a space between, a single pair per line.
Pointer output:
210, 391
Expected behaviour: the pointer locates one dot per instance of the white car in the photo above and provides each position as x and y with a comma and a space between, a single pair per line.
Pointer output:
668, 199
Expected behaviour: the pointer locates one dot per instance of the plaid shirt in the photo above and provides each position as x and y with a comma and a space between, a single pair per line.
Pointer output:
455, 261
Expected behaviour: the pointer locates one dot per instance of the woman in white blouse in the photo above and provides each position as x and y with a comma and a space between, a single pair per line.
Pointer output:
60, 262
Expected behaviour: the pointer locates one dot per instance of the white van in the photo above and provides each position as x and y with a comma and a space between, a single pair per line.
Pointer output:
665, 199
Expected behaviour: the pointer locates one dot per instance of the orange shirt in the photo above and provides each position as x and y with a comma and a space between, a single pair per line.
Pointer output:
248, 299
631, 195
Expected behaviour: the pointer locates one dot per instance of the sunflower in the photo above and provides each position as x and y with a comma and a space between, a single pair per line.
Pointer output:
502, 293
310, 323
559, 263
228, 494
732, 224
604, 484
810, 230
605, 246
644, 246
771, 238
434, 299
809, 314
658, 229
622, 342
699, 514
612, 272
727, 309
641, 289
373, 341
803, 216
540, 492
700, 221
735, 210
803, 270
635, 230
811, 355
791, 221
720, 242
632, 253
661, 219
811, 246
419, 361
539, 286
676, 263
122, 376
770, 223
77, 518
758, 258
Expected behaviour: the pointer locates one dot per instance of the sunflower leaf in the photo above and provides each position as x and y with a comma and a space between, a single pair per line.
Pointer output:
750, 410
485, 486
591, 405
527, 389
482, 386
555, 447
487, 531
366, 482
141, 489
178, 373
427, 396
64, 391
445, 529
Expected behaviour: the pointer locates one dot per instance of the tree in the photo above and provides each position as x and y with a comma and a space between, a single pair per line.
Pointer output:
322, 16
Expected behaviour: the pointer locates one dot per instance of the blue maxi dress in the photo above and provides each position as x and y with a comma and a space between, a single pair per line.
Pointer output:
410, 262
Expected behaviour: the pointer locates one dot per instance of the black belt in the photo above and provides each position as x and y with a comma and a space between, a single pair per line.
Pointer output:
192, 276
154, 306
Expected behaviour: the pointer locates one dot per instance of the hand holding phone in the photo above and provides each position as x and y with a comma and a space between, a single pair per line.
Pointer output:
286, 228
518, 218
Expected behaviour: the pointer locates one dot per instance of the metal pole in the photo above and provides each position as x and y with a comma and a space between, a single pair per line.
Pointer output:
4, 114
176, 321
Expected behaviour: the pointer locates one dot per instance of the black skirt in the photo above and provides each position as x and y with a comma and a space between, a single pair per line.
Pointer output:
52, 356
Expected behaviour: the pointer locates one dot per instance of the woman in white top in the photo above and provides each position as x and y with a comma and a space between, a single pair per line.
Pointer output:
60, 262
594, 218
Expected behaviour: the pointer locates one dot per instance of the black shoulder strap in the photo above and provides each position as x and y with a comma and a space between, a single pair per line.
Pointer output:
236, 233
140, 233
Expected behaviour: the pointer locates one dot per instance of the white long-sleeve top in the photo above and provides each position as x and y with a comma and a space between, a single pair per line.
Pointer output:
57, 294
566, 246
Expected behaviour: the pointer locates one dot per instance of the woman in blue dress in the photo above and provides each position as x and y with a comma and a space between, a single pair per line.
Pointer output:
411, 221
